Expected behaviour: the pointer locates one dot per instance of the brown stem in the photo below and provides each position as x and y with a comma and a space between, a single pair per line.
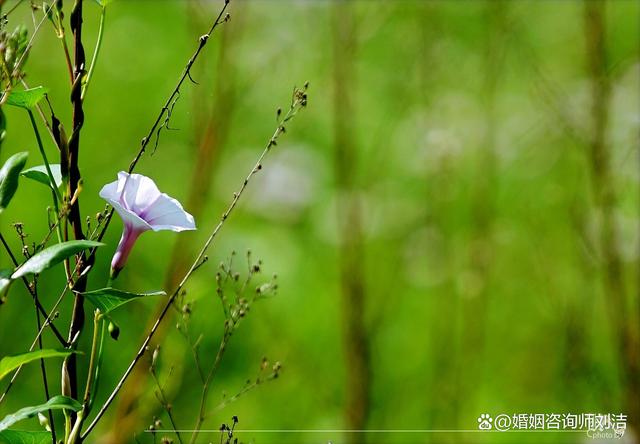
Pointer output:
351, 253
605, 200
78, 316
476, 299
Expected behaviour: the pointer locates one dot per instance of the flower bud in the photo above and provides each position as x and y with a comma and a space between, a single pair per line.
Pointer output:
114, 330
44, 422
65, 381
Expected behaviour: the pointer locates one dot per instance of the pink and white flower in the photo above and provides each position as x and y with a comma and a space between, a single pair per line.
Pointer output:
142, 207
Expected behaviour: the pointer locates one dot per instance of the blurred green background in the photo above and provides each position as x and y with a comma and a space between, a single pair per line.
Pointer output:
435, 216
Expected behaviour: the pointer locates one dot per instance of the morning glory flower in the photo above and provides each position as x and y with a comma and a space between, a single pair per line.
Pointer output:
142, 207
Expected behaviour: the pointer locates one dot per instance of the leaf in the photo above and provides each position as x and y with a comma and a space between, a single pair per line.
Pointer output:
26, 98
49, 257
55, 403
5, 279
24, 437
10, 363
9, 174
108, 299
39, 174
103, 3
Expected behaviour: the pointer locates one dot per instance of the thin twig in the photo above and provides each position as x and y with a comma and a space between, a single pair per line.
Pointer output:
165, 404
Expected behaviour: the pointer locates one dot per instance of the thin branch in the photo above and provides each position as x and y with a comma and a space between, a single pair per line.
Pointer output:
96, 51
162, 398
275, 373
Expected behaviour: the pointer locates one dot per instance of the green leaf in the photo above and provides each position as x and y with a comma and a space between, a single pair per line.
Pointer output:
108, 299
27, 98
24, 437
49, 257
9, 174
5, 280
10, 363
39, 174
55, 403
103, 3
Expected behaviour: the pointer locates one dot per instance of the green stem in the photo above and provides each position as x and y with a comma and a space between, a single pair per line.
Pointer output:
67, 426
96, 51
97, 319
56, 194
54, 189
96, 377
91, 372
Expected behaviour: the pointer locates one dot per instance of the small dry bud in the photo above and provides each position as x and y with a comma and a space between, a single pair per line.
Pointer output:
66, 382
114, 330
44, 422
154, 357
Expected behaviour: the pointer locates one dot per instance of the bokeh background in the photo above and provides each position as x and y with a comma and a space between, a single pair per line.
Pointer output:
453, 219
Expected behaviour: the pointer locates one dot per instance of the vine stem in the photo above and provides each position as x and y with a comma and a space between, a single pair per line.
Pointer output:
52, 183
70, 367
73, 436
298, 100
96, 52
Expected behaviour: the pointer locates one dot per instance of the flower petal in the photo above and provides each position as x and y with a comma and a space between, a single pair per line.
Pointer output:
110, 191
166, 213
111, 194
136, 191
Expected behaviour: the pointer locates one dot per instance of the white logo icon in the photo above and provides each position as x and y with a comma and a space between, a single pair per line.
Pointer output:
484, 421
